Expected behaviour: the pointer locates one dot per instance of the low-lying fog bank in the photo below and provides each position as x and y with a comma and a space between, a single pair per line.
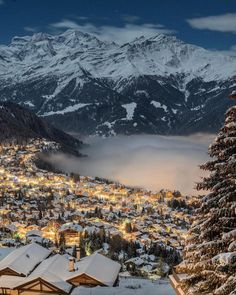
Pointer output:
150, 161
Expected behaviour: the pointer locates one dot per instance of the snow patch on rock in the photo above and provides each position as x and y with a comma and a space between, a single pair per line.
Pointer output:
130, 108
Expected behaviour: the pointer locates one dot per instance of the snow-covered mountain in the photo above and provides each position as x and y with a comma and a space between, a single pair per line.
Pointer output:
151, 85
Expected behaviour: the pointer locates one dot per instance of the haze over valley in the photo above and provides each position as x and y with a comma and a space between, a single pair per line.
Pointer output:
153, 162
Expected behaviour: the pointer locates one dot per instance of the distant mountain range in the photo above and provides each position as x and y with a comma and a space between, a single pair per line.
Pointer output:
18, 124
79, 83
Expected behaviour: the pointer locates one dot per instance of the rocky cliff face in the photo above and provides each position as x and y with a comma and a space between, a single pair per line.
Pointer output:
158, 85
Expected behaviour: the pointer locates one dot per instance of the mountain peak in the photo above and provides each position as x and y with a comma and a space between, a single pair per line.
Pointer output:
20, 40
161, 37
74, 33
40, 37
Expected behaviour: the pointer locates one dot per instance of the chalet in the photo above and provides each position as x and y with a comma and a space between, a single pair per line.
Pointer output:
23, 260
134, 263
71, 233
33, 233
95, 270
34, 236
33, 269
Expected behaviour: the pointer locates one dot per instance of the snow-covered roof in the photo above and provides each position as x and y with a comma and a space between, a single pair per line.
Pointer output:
136, 260
23, 260
34, 232
91, 229
12, 227
53, 270
225, 259
10, 282
72, 226
99, 268
34, 262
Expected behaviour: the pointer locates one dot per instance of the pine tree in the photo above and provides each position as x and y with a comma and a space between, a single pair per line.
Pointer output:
210, 252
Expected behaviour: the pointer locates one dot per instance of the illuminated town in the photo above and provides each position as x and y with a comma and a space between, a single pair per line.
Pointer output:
62, 212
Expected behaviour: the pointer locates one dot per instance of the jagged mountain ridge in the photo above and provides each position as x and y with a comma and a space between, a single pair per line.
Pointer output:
151, 85
18, 124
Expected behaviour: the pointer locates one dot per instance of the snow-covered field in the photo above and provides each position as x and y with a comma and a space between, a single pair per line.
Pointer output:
130, 286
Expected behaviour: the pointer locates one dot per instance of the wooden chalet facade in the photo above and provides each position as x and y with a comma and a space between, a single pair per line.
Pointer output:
71, 233
84, 279
71, 237
10, 272
39, 286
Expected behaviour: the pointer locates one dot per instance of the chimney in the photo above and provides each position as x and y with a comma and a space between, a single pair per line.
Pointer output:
78, 253
71, 264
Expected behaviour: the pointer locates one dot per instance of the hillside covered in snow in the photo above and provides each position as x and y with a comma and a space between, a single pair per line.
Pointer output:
157, 85
19, 125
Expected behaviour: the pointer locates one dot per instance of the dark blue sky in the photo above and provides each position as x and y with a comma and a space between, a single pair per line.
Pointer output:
208, 23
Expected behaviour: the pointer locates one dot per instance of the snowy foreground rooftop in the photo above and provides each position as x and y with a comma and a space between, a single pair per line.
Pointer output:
23, 260
37, 263
33, 263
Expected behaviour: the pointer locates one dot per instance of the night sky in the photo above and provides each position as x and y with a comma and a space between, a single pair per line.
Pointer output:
208, 23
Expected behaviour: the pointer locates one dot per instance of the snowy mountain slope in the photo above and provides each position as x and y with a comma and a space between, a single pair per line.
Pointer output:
18, 124
83, 84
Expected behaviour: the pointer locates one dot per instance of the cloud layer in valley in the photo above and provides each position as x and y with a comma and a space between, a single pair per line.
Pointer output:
153, 162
